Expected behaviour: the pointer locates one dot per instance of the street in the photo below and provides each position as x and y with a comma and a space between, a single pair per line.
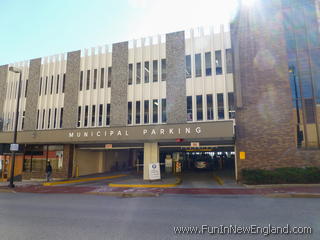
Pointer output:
28, 216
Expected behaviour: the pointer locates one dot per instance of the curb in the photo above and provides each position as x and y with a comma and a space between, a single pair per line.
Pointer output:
280, 185
82, 180
293, 195
119, 185
125, 194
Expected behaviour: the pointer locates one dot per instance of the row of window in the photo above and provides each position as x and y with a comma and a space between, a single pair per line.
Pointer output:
209, 110
151, 73
208, 64
48, 85
155, 106
95, 82
99, 122
14, 91
57, 123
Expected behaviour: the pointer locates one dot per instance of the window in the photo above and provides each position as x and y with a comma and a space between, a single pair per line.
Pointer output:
26, 89
146, 72
40, 86
100, 114
43, 115
55, 118
163, 69
164, 110
93, 116
199, 108
81, 80
137, 112
57, 87
229, 61
23, 117
45, 86
38, 114
49, 117
95, 76
207, 56
188, 66
231, 105
51, 87
138, 73
189, 108
155, 70
129, 112
218, 63
63, 82
310, 110
86, 111
220, 106
108, 115
102, 78
209, 107
109, 76
88, 80
198, 64
130, 74
146, 111
155, 111
61, 117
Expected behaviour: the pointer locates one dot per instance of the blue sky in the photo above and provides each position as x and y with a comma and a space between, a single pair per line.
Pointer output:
36, 28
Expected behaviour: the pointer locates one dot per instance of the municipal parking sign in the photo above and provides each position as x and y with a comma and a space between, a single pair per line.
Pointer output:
154, 171
14, 147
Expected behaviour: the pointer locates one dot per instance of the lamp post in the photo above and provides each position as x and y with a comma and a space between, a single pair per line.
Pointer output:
299, 133
13, 153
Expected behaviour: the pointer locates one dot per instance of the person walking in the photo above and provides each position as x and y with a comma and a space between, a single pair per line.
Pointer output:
48, 171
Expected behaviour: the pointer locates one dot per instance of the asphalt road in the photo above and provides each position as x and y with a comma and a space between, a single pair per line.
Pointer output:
25, 216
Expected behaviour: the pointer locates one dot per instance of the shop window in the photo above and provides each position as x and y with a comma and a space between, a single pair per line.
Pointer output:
218, 60
188, 66
209, 107
129, 112
155, 110
163, 69
208, 63
102, 78
146, 111
137, 112
189, 108
220, 106
155, 70
146, 72
198, 64
199, 108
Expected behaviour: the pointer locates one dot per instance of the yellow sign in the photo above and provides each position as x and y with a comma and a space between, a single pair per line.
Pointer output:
242, 155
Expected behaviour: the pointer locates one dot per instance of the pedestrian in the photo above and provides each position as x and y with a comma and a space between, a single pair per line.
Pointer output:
48, 171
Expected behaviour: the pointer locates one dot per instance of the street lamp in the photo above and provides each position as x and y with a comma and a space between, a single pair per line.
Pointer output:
13, 153
299, 133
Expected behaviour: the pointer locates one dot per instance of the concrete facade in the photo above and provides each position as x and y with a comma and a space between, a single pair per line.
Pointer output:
71, 87
176, 77
32, 94
3, 89
265, 126
119, 83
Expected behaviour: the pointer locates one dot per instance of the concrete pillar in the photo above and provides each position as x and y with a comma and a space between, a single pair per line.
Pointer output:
151, 155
